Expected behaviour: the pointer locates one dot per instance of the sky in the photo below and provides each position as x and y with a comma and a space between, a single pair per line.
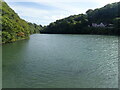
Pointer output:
46, 11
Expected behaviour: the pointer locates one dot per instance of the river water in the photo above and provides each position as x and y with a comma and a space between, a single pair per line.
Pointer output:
61, 61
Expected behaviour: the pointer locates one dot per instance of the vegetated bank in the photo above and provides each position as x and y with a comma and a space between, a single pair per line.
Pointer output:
105, 20
13, 27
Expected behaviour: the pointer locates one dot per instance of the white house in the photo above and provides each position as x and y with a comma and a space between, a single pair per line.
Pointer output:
98, 25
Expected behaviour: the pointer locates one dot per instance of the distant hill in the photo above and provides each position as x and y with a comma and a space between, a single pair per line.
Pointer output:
105, 20
13, 27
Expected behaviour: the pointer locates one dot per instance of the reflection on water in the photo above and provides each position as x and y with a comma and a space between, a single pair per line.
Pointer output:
55, 61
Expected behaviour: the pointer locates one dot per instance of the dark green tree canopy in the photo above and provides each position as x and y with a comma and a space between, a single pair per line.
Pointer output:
13, 27
82, 23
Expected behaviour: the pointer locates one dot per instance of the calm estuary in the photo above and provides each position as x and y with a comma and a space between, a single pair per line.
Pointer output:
61, 61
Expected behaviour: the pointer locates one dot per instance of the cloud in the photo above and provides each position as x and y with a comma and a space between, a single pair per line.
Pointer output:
99, 1
38, 15
60, 9
29, 11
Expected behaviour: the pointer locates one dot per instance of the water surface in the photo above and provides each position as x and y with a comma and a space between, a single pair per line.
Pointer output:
61, 61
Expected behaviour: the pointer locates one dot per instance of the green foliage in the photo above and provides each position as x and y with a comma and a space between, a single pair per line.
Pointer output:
82, 23
6, 36
13, 27
34, 28
105, 14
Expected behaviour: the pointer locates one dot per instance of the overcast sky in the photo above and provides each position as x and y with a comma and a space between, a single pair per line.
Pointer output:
46, 11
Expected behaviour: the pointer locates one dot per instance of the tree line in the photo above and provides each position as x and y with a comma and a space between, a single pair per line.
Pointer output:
13, 27
82, 23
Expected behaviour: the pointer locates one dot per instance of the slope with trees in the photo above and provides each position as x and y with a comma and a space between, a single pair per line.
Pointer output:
82, 23
13, 27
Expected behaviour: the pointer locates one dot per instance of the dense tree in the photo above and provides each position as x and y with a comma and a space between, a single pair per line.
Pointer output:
34, 28
13, 27
81, 24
